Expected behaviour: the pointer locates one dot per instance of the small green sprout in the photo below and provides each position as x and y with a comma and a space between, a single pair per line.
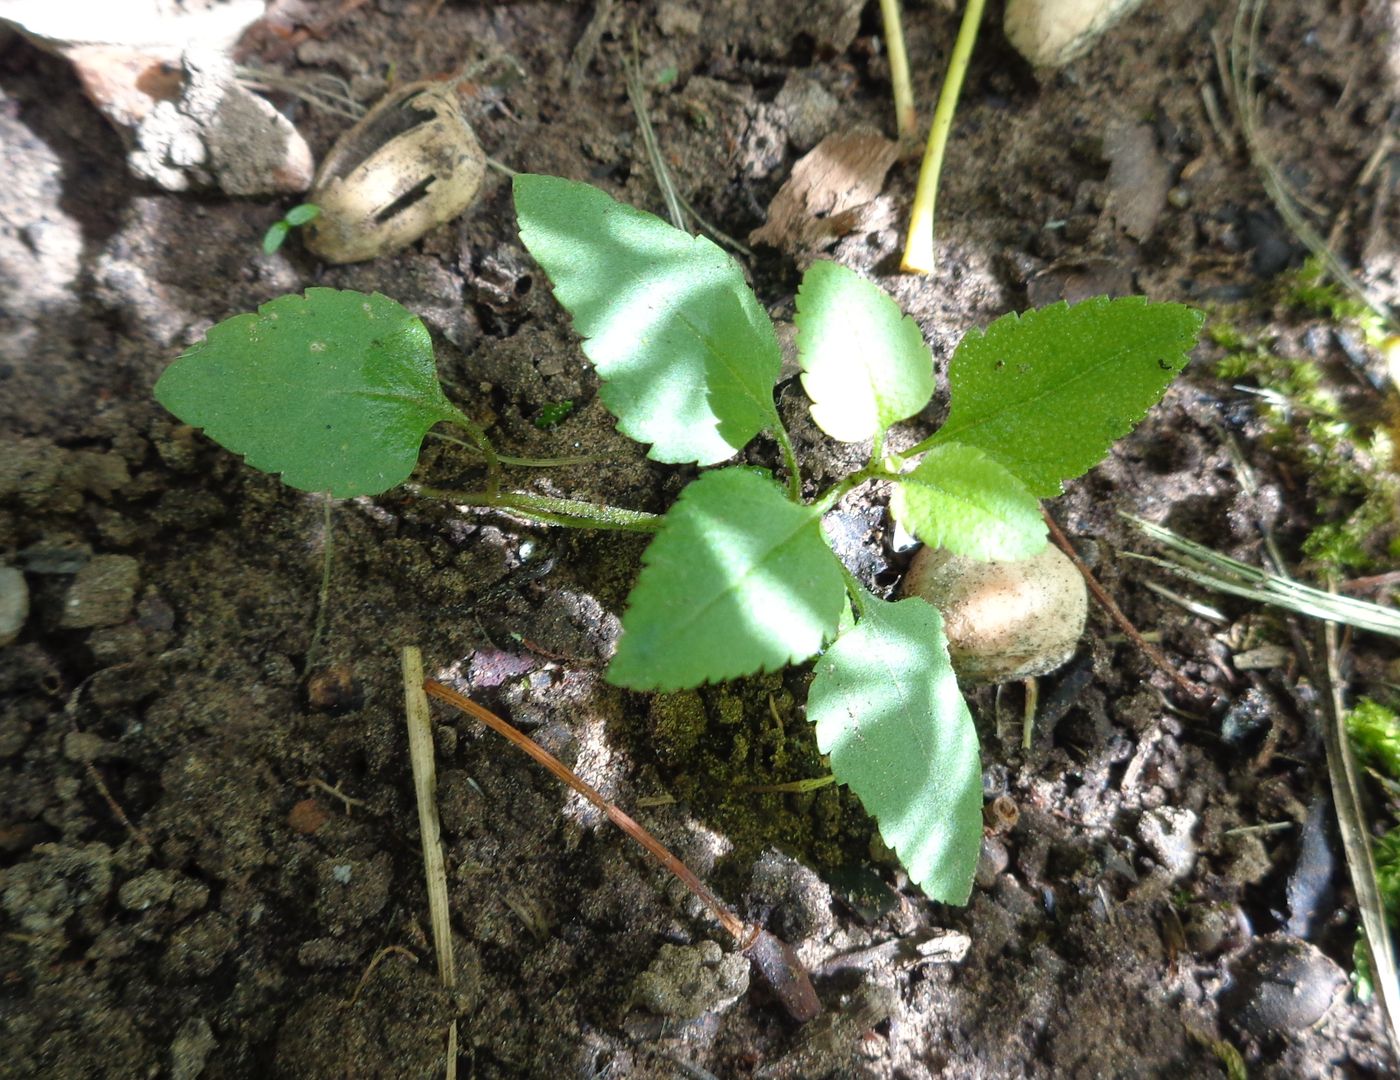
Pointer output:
336, 391
554, 414
276, 236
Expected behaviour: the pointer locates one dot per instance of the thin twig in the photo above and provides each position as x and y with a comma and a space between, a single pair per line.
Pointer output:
1116, 614
324, 595
388, 950
116, 807
654, 847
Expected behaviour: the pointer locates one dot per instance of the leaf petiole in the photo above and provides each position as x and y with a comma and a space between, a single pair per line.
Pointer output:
548, 510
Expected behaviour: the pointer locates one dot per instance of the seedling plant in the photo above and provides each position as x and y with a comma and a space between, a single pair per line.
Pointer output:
335, 391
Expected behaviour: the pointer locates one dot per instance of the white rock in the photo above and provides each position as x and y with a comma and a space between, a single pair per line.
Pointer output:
1050, 33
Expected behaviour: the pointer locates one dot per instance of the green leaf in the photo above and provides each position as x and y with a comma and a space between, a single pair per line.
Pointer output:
865, 364
687, 357
963, 500
302, 214
888, 711
334, 390
1047, 393
275, 237
738, 580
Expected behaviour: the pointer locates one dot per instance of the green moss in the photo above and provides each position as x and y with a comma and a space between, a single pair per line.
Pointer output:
715, 744
1375, 735
1310, 290
1350, 545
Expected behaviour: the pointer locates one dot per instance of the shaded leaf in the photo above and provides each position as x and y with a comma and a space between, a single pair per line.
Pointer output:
865, 364
334, 390
888, 711
738, 580
1047, 393
687, 357
963, 500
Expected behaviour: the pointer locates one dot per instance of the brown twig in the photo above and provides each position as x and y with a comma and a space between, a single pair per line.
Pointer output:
775, 959
115, 806
1116, 614
727, 918
374, 963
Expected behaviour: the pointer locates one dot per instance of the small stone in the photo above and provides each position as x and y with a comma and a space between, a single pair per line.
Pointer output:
190, 1049
14, 604
1050, 33
1005, 619
56, 555
147, 890
83, 747
991, 863
811, 110
676, 19
1282, 986
686, 982
334, 690
102, 593
1167, 833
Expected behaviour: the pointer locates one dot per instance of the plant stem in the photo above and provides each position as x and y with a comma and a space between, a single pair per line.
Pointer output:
853, 590
918, 246
905, 118
789, 460
832, 495
493, 462
547, 510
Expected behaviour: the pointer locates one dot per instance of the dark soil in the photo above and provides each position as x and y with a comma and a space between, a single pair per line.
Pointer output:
207, 832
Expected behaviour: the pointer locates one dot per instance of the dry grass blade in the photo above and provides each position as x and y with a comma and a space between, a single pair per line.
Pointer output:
1238, 70
420, 752
1356, 841
1212, 570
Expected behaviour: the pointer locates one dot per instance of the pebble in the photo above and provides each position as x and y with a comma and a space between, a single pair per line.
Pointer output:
688, 981
189, 1052
1167, 833
14, 603
990, 864
1282, 986
102, 593
1050, 33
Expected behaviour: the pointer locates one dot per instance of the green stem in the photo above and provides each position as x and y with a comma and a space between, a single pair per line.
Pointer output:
483, 444
918, 246
905, 118
832, 495
854, 590
547, 510
921, 448
790, 460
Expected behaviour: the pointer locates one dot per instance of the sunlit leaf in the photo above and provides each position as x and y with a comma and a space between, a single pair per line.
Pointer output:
960, 499
1046, 393
865, 364
687, 356
888, 711
738, 580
